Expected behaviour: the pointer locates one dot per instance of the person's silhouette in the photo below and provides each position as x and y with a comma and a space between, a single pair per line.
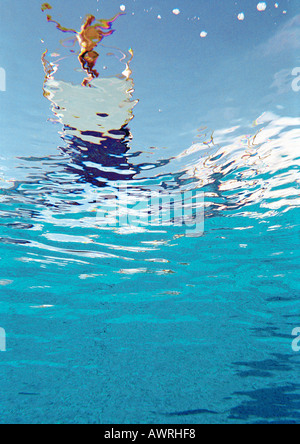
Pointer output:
91, 34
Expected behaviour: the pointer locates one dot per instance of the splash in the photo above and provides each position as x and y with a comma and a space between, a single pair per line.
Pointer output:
127, 72
235, 167
91, 34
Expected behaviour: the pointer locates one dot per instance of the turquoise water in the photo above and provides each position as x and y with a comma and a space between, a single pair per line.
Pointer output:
142, 323
209, 341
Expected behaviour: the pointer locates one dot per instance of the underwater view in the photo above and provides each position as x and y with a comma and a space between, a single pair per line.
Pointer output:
149, 212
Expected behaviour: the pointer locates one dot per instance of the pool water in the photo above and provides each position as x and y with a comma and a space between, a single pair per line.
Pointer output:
139, 322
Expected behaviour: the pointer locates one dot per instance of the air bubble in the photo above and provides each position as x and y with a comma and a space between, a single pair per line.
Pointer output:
262, 6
